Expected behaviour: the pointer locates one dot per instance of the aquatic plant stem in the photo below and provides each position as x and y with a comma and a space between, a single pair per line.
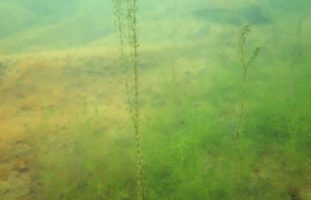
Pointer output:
135, 112
131, 82
246, 62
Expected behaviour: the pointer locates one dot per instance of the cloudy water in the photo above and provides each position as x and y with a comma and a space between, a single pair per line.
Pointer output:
168, 99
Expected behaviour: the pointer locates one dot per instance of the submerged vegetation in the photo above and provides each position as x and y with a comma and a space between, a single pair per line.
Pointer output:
126, 21
246, 63
196, 115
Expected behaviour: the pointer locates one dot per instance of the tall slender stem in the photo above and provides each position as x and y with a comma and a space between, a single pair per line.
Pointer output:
246, 62
131, 82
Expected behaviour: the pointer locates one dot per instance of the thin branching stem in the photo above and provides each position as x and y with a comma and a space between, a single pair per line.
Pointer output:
246, 63
127, 14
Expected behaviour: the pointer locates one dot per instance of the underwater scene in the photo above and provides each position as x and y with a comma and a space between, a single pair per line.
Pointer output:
155, 100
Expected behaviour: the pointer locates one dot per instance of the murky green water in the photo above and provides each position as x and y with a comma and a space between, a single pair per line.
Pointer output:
194, 100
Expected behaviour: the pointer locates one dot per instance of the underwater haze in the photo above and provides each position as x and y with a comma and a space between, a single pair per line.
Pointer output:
155, 100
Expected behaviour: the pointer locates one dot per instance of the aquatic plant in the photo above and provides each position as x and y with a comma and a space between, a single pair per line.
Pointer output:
126, 13
246, 63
